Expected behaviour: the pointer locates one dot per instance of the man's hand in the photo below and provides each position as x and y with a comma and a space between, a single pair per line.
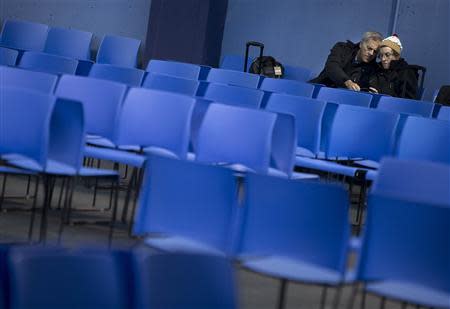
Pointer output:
352, 86
373, 90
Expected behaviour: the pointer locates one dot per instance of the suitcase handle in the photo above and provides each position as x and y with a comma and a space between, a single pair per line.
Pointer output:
261, 50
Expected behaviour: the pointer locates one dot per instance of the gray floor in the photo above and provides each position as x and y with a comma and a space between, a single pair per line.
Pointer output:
255, 291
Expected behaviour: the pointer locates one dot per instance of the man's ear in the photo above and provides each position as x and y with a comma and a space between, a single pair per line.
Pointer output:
360, 44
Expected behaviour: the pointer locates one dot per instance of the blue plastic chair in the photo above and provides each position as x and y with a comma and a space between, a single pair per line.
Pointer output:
119, 51
78, 280
406, 106
308, 117
129, 76
71, 43
170, 83
173, 68
232, 95
234, 62
297, 73
186, 281
343, 96
287, 87
23, 35
281, 231
404, 254
236, 135
232, 77
48, 63
101, 99
444, 113
19, 78
424, 139
8, 56
190, 205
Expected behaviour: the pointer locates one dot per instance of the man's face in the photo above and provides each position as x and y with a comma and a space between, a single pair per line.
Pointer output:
368, 50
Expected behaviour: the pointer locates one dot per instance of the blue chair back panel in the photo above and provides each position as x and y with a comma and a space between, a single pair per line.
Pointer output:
394, 181
444, 113
36, 81
342, 96
297, 73
173, 68
23, 35
119, 51
362, 133
232, 95
78, 280
180, 280
185, 198
308, 116
8, 56
53, 64
286, 218
128, 76
232, 135
25, 123
156, 118
287, 87
232, 77
406, 106
101, 99
425, 139
69, 43
284, 141
170, 83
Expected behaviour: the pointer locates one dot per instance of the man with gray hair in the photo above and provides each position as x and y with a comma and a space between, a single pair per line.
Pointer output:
350, 65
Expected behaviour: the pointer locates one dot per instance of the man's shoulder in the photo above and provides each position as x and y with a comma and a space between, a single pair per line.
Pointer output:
346, 45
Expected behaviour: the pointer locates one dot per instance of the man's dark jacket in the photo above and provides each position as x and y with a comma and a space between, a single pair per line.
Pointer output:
341, 66
398, 81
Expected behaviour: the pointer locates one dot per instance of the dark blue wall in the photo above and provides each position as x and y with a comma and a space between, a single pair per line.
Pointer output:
301, 32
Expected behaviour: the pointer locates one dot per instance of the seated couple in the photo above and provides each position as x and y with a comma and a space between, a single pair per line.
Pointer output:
353, 66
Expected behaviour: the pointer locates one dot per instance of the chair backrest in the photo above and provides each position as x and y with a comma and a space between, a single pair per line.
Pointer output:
101, 99
36, 81
444, 113
342, 96
232, 77
284, 141
230, 134
234, 62
173, 68
151, 118
412, 246
424, 139
70, 43
129, 76
187, 199
287, 86
186, 280
118, 50
8, 56
23, 35
170, 83
233, 95
396, 181
308, 117
406, 106
53, 64
297, 73
285, 218
78, 280
358, 132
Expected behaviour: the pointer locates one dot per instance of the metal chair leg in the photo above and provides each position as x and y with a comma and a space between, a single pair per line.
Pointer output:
337, 297
282, 294
114, 211
323, 298
33, 210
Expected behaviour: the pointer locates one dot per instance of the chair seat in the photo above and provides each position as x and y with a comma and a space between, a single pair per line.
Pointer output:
97, 172
369, 163
160, 152
52, 167
303, 152
13, 170
181, 244
325, 166
116, 155
411, 293
371, 175
294, 270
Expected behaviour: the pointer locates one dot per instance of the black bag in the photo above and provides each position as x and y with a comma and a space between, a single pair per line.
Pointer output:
443, 96
263, 65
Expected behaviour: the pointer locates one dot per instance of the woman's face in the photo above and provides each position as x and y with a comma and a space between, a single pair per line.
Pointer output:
386, 55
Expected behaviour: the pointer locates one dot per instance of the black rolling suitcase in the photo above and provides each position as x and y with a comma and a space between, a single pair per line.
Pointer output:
263, 65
